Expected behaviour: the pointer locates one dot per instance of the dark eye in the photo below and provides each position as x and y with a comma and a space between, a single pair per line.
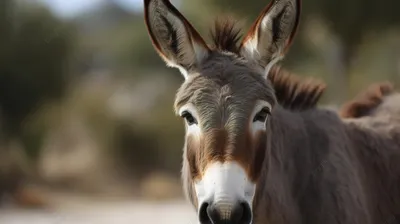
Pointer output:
262, 115
189, 118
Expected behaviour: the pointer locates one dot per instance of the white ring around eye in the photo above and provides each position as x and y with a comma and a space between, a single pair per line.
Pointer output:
193, 129
258, 125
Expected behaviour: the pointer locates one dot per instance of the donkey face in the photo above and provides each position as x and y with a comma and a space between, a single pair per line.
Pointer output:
225, 101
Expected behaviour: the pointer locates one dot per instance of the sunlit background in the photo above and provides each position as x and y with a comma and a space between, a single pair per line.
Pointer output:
87, 128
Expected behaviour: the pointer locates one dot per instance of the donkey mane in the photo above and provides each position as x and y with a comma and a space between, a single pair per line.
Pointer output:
292, 93
367, 101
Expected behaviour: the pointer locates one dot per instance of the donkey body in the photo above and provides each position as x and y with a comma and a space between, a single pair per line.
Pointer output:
375, 134
257, 149
323, 169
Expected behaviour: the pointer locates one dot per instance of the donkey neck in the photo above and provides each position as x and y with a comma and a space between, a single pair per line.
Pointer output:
299, 143
300, 139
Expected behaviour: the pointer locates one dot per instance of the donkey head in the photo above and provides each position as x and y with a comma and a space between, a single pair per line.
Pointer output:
225, 101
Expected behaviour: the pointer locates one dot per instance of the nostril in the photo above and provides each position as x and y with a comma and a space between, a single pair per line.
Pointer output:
237, 213
246, 216
203, 215
212, 214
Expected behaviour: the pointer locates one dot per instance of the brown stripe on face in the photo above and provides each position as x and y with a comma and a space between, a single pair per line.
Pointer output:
193, 150
249, 152
201, 152
259, 148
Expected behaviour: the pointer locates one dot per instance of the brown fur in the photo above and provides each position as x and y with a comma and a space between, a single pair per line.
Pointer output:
310, 165
367, 101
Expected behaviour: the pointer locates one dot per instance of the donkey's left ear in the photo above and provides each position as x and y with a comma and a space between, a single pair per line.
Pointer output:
272, 33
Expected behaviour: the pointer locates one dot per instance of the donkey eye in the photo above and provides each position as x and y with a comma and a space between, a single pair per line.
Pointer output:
262, 115
189, 118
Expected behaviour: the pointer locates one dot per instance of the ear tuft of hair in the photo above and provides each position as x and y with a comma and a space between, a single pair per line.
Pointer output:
367, 101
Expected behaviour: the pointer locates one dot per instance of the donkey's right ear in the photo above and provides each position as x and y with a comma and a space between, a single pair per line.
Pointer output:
174, 38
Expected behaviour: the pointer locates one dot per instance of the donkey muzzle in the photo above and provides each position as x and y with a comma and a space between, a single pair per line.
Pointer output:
225, 213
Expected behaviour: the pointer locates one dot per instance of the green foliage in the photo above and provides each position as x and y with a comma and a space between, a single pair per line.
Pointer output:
351, 20
34, 51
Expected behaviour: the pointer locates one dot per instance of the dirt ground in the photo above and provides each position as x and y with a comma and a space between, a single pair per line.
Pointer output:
82, 209
116, 212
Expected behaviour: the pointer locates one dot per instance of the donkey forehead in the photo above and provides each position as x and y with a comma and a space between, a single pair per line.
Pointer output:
225, 82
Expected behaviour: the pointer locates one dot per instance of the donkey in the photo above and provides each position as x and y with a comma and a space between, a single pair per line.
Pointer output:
248, 159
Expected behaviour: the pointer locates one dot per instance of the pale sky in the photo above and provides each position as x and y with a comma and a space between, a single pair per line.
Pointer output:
69, 8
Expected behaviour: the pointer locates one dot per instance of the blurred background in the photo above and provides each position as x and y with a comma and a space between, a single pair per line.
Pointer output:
87, 128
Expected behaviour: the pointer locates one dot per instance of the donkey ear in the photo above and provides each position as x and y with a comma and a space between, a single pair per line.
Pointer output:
174, 38
272, 33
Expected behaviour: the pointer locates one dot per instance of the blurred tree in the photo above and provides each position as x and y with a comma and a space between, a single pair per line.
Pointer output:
34, 52
34, 59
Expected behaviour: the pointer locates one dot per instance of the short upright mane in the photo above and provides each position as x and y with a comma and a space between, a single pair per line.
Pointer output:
225, 35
